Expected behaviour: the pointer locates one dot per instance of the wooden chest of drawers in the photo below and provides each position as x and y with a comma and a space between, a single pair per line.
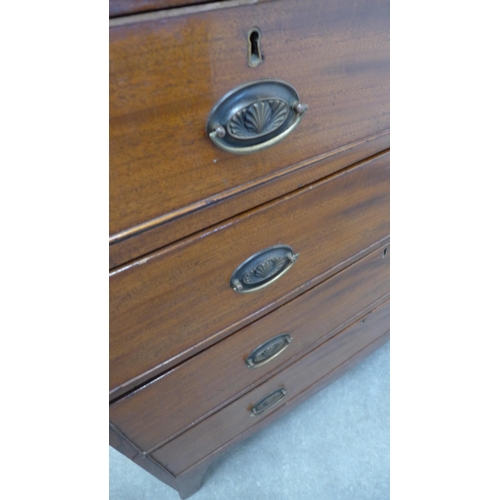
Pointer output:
241, 283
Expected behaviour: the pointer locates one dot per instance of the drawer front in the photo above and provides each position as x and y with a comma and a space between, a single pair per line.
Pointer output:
158, 411
181, 297
221, 427
166, 76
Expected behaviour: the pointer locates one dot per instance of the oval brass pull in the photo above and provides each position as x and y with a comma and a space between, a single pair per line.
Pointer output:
254, 116
268, 350
262, 268
267, 402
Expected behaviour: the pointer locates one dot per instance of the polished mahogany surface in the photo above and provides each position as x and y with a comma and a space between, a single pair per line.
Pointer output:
181, 298
184, 214
166, 76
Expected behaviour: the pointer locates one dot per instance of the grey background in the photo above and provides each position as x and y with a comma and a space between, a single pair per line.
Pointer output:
334, 446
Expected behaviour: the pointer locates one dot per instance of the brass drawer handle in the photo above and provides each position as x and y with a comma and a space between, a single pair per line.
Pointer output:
261, 269
267, 402
268, 350
254, 116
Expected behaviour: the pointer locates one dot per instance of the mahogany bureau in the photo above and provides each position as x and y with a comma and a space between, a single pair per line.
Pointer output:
249, 216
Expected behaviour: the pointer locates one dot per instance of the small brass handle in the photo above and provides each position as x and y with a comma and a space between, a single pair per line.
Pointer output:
267, 402
262, 268
268, 350
254, 116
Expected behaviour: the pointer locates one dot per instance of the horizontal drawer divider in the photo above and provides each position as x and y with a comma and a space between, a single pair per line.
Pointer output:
153, 224
210, 202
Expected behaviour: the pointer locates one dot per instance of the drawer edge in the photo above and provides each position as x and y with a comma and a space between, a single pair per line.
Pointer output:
158, 233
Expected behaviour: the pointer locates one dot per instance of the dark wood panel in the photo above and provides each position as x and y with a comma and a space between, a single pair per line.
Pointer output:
217, 209
162, 409
166, 75
179, 298
213, 432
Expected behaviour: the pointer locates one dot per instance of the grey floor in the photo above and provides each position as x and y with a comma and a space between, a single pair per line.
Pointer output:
335, 446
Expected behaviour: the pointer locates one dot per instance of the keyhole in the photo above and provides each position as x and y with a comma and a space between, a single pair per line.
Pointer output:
254, 47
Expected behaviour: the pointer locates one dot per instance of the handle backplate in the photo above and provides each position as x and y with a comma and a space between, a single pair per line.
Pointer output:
268, 401
268, 350
254, 116
262, 268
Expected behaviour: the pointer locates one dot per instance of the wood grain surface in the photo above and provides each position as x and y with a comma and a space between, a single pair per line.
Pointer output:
180, 298
166, 75
216, 210
162, 409
213, 432
184, 214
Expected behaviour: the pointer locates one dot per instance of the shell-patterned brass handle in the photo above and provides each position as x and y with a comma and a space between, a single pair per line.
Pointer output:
262, 269
266, 403
254, 116
268, 350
